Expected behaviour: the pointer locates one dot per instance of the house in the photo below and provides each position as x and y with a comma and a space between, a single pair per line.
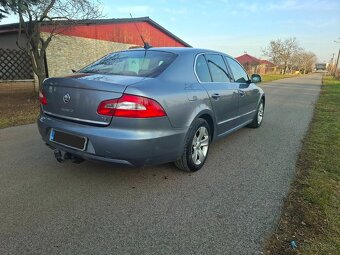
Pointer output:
266, 66
80, 43
255, 65
249, 62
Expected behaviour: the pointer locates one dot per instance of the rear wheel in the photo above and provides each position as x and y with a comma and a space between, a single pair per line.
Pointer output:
258, 118
196, 147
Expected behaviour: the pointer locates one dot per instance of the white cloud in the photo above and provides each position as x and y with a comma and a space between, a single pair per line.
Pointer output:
135, 10
249, 7
180, 11
10, 19
312, 5
234, 13
322, 24
284, 5
291, 5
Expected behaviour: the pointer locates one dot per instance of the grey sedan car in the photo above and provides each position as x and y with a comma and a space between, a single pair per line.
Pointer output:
140, 107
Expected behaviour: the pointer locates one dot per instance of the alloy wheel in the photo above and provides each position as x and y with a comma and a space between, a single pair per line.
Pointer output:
260, 114
200, 145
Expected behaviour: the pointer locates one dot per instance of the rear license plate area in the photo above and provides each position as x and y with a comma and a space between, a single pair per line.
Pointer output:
68, 140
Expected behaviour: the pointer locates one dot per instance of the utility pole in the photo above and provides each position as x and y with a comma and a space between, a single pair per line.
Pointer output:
337, 61
336, 64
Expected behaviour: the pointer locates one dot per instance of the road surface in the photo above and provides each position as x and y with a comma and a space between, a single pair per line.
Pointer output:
229, 207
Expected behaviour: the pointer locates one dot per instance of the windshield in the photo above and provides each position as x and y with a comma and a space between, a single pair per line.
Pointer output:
132, 63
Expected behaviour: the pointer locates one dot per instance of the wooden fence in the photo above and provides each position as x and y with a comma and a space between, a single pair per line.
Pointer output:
15, 65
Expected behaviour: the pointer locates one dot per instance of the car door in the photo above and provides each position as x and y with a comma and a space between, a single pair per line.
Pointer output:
249, 94
213, 74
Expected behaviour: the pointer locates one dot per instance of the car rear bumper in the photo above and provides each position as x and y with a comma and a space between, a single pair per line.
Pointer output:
125, 141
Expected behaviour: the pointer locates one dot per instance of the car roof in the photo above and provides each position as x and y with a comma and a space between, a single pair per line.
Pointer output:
182, 50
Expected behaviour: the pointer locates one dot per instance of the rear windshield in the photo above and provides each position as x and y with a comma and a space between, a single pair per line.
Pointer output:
132, 63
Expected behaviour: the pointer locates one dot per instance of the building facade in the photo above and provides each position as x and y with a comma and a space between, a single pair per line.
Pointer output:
80, 43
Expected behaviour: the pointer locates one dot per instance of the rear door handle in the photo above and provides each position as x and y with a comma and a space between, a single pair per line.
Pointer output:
242, 93
215, 96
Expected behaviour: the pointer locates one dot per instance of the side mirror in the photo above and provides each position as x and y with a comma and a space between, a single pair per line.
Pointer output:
255, 78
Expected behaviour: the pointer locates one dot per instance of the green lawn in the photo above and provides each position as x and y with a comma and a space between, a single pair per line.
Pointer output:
311, 213
273, 77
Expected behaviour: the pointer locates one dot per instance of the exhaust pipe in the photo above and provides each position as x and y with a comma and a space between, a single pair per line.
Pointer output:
63, 156
59, 156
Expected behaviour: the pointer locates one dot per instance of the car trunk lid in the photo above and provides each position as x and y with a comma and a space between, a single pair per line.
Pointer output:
76, 97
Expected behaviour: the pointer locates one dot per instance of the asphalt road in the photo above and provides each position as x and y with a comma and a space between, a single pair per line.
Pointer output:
229, 207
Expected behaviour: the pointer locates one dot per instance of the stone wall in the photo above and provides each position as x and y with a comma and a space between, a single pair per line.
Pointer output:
69, 52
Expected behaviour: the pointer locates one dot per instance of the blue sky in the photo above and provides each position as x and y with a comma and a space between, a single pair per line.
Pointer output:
238, 26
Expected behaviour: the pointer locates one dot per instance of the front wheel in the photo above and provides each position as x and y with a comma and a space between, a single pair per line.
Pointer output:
258, 118
196, 147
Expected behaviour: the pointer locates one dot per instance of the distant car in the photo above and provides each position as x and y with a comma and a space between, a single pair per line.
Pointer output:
142, 107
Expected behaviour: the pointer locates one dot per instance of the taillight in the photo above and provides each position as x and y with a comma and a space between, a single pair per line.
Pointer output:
131, 106
42, 98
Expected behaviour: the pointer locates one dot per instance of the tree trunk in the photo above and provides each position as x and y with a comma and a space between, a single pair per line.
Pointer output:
285, 68
41, 70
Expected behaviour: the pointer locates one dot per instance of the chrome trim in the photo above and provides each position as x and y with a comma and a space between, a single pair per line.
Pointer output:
68, 146
76, 119
225, 121
235, 128
212, 53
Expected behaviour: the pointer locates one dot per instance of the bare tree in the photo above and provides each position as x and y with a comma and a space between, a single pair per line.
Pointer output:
304, 61
4, 8
56, 15
281, 52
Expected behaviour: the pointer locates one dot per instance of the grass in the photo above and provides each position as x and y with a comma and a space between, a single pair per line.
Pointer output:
273, 77
18, 108
311, 213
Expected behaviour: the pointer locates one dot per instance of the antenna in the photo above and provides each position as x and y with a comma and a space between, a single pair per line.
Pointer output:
146, 45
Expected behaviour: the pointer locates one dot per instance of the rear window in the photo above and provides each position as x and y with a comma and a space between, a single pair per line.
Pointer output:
132, 63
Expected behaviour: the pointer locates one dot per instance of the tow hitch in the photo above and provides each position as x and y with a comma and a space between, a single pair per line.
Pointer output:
62, 156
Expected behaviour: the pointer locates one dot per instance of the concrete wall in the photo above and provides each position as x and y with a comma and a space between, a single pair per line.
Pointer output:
69, 52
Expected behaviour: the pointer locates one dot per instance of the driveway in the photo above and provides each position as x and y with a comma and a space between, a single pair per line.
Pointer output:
229, 207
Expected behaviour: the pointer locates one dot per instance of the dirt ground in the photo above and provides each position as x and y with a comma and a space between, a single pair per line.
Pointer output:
16, 86
18, 107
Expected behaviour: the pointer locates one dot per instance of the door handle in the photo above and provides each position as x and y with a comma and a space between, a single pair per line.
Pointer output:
242, 93
215, 96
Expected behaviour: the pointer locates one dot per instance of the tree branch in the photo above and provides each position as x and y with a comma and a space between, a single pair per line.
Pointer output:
48, 8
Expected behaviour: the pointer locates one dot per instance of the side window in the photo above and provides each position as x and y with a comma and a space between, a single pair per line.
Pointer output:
217, 68
239, 74
202, 69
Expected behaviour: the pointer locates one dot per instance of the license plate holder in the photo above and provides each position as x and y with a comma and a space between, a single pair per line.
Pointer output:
68, 140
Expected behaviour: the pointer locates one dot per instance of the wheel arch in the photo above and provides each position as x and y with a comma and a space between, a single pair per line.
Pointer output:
208, 117
263, 97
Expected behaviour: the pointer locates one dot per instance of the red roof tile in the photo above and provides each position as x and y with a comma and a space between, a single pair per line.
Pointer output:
248, 59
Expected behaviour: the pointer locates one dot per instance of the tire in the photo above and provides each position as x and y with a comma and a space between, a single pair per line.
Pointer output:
196, 147
258, 118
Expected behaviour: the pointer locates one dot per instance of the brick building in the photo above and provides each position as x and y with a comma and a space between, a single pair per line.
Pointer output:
78, 44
